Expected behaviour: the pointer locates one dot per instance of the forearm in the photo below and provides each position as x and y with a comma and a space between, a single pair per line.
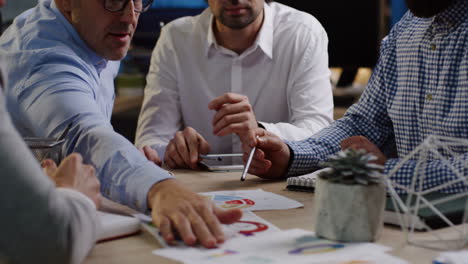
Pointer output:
124, 172
307, 155
84, 223
40, 223
435, 173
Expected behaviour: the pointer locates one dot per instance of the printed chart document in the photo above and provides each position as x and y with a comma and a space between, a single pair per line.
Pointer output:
289, 246
249, 225
252, 200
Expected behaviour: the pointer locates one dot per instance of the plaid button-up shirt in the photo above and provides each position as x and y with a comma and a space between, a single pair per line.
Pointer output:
418, 88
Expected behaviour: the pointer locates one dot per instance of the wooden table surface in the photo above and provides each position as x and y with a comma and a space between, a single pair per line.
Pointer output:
138, 248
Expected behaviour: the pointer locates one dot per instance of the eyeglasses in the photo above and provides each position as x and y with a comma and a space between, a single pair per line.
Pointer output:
140, 6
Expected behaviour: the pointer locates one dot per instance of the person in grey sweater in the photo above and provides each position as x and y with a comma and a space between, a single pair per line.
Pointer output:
44, 219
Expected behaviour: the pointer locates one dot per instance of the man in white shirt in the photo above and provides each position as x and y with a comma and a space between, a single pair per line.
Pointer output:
237, 66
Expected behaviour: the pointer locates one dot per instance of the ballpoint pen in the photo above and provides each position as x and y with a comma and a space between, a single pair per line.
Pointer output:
247, 165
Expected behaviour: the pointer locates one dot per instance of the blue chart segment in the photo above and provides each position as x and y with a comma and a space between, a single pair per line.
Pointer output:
308, 245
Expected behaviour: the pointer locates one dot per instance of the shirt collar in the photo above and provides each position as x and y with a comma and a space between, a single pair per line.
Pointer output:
99, 62
264, 39
455, 14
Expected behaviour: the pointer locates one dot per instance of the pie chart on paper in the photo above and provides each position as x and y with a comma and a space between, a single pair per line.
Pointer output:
231, 202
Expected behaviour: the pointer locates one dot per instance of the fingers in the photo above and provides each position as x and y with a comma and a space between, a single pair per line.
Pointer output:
193, 217
227, 98
227, 216
164, 226
191, 141
184, 227
151, 155
234, 123
49, 167
265, 140
234, 114
228, 110
203, 145
354, 140
205, 226
172, 157
184, 149
93, 184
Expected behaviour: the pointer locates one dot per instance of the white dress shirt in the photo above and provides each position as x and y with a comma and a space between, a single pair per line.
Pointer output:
284, 73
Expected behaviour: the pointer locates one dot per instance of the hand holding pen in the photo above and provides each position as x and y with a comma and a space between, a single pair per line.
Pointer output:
270, 157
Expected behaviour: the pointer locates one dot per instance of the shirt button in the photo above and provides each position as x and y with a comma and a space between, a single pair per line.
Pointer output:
429, 97
433, 47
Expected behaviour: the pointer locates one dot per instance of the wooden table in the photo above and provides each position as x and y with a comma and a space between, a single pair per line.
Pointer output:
138, 248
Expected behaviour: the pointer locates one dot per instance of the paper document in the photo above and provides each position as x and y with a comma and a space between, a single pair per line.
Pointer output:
452, 257
290, 246
252, 200
249, 225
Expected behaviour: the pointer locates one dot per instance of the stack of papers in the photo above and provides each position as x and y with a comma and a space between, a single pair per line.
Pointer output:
452, 257
289, 246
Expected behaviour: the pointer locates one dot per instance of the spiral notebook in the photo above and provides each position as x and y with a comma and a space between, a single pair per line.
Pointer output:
304, 183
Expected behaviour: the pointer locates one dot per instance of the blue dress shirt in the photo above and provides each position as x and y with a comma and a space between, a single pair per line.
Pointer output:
418, 88
55, 79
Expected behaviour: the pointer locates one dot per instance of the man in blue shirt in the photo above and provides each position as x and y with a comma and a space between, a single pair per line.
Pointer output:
61, 60
418, 88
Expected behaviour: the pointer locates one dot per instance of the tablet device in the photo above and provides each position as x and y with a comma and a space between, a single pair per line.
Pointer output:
222, 162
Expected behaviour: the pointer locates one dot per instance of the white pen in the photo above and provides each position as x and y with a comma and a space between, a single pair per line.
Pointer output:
247, 165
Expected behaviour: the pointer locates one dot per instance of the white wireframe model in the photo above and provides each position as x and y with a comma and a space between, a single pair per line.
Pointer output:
450, 155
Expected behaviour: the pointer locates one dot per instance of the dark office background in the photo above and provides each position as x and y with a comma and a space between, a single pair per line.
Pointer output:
355, 29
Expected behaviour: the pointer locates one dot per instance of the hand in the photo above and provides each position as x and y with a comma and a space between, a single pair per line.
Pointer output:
73, 174
360, 142
271, 159
151, 155
184, 149
234, 114
192, 216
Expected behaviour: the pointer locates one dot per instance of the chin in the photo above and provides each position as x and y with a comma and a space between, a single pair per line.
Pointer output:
117, 55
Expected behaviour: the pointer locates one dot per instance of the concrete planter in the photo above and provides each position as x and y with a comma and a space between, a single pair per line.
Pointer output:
348, 213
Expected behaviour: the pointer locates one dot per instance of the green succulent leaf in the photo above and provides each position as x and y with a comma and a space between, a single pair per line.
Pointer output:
352, 167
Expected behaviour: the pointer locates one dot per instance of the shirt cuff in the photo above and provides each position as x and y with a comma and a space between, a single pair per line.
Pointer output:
142, 181
301, 160
76, 195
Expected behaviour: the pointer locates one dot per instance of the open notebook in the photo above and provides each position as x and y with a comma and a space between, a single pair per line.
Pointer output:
115, 226
453, 210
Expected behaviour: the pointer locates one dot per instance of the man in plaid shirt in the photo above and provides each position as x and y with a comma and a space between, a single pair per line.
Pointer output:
418, 88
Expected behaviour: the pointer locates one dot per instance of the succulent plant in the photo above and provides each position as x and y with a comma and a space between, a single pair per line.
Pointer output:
352, 167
